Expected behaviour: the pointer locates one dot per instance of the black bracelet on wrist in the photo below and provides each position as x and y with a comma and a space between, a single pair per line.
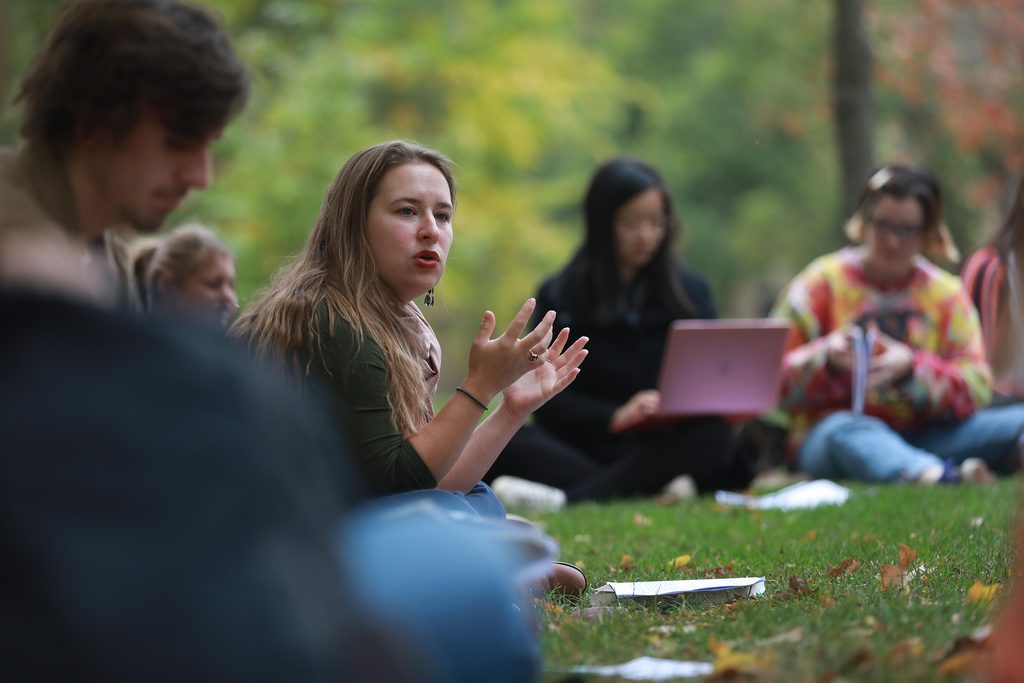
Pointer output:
472, 398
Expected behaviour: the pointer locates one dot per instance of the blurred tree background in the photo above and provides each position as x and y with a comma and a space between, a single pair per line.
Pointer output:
735, 102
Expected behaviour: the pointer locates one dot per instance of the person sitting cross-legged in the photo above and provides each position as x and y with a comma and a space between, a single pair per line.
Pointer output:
926, 382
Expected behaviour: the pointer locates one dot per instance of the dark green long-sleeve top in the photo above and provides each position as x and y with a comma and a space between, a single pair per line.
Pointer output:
355, 374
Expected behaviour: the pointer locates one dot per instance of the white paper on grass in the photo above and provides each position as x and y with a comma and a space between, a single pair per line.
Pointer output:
648, 669
723, 589
806, 494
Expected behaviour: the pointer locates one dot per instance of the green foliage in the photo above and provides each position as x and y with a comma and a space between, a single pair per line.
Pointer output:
960, 535
730, 100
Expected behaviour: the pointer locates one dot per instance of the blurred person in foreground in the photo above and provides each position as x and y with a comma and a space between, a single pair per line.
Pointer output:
925, 376
623, 289
169, 511
187, 273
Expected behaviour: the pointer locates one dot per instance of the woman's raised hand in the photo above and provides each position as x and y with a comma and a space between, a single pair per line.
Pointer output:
494, 364
553, 371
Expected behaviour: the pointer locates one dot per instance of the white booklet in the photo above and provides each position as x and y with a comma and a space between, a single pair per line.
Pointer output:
863, 344
697, 590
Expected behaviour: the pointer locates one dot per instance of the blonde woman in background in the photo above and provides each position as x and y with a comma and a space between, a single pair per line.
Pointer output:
189, 272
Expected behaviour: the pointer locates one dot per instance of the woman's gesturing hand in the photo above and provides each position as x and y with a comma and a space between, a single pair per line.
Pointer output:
494, 364
553, 371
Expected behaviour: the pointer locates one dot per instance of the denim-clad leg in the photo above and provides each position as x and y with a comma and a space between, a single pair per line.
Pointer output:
992, 434
480, 501
849, 445
447, 589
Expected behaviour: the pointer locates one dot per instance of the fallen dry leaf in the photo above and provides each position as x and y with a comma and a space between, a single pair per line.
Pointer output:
957, 664
858, 659
981, 593
978, 639
811, 535
626, 562
891, 576
730, 664
847, 566
904, 651
641, 520
718, 571
907, 555
679, 562
798, 585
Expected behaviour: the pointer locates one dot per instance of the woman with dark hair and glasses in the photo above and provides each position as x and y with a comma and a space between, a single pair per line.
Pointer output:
879, 315
622, 289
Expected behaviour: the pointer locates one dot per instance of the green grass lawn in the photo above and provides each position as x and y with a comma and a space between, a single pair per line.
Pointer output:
846, 628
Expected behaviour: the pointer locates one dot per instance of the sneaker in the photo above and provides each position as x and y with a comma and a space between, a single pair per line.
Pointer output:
681, 488
531, 496
566, 579
975, 471
970, 471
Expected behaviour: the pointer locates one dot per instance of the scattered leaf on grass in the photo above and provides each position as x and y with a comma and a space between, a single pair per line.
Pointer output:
718, 571
847, 566
581, 538
811, 535
891, 576
641, 520
798, 585
626, 562
896, 575
730, 664
962, 654
905, 651
827, 602
957, 664
981, 593
976, 522
858, 659
907, 555
678, 562
978, 639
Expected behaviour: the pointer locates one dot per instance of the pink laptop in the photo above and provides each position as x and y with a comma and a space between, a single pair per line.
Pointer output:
720, 367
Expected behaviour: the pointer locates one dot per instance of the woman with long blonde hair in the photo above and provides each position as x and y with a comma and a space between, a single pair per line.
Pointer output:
343, 313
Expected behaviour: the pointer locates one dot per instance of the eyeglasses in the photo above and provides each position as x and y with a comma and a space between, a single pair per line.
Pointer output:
635, 225
903, 232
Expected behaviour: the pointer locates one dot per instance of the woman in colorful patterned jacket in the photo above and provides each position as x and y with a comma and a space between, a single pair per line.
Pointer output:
885, 376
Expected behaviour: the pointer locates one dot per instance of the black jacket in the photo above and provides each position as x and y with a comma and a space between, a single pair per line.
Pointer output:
166, 512
625, 354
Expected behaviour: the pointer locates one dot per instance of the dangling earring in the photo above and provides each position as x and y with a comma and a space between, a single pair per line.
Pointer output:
428, 300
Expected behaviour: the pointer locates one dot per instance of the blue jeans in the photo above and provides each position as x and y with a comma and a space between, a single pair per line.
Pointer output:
849, 445
479, 501
445, 586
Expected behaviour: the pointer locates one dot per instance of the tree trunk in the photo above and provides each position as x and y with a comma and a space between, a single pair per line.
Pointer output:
852, 100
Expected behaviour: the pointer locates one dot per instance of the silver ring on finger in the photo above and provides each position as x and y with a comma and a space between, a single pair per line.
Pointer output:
534, 356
